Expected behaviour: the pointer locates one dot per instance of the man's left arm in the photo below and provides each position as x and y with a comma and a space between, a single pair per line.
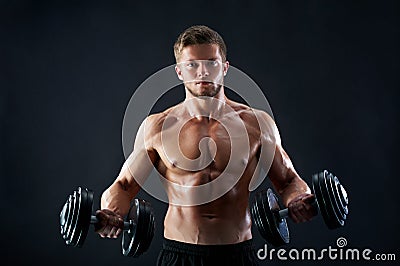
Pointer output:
294, 192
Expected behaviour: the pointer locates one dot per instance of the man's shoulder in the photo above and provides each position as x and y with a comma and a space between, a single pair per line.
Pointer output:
154, 122
257, 119
248, 112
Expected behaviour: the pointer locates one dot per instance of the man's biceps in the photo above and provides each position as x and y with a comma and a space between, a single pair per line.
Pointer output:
267, 155
140, 164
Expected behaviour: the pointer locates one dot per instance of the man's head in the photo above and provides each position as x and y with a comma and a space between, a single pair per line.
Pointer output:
200, 54
196, 35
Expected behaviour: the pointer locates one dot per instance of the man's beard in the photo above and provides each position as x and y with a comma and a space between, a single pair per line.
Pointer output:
209, 93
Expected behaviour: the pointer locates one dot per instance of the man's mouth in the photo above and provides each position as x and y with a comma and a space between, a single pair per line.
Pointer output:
204, 83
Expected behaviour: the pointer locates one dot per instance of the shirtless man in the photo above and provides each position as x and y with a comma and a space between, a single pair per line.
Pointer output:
205, 232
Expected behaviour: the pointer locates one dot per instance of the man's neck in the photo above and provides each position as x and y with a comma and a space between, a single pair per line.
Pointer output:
204, 106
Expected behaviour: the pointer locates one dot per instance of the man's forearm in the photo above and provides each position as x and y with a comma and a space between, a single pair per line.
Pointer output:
117, 198
294, 187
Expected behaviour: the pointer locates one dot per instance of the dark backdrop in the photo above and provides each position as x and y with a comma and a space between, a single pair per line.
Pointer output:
330, 71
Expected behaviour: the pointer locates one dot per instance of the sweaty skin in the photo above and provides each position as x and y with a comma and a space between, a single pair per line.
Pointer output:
199, 155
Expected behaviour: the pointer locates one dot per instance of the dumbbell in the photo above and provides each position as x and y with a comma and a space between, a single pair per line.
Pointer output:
76, 217
330, 200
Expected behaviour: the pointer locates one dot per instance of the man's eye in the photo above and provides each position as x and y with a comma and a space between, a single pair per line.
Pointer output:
213, 63
191, 65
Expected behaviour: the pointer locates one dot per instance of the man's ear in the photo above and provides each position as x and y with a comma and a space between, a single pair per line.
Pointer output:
226, 66
178, 72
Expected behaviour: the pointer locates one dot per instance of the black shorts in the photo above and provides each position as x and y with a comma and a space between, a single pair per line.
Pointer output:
179, 253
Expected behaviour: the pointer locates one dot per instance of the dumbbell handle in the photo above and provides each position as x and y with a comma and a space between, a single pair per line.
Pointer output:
127, 225
284, 213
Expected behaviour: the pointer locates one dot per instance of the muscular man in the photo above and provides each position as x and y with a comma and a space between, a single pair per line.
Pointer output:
195, 143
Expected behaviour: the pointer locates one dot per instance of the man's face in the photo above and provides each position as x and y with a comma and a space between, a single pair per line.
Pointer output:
201, 69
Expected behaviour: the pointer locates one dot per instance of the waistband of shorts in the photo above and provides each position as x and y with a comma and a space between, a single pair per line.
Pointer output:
207, 250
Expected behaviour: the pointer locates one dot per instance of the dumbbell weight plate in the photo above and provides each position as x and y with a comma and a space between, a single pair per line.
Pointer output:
341, 195
73, 210
149, 233
265, 212
80, 201
322, 198
84, 215
143, 227
259, 216
279, 226
327, 201
339, 207
76, 226
65, 217
75, 217
137, 239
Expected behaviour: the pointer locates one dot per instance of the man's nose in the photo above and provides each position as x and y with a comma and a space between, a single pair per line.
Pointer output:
202, 71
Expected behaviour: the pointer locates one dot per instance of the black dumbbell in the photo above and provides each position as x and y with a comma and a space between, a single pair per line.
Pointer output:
76, 217
330, 199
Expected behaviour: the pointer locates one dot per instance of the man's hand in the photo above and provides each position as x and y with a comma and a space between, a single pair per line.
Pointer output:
110, 223
301, 208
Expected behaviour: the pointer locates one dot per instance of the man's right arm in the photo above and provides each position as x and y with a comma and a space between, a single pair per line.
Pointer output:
116, 199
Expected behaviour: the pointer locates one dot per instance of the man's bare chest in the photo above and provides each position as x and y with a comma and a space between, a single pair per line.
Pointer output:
198, 144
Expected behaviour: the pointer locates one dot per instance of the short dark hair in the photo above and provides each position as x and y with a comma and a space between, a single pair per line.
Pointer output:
199, 34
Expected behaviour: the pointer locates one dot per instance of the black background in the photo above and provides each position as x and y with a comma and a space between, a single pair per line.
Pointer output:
330, 71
